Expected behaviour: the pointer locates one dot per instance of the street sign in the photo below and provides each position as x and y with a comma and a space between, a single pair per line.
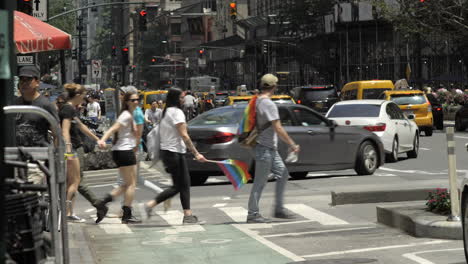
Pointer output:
40, 9
96, 68
25, 60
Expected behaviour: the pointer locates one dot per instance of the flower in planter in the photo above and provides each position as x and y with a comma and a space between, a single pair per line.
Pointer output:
439, 201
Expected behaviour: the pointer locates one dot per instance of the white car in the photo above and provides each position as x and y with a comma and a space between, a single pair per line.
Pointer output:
397, 132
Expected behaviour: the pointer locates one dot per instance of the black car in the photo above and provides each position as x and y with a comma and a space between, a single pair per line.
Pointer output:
461, 118
437, 111
318, 97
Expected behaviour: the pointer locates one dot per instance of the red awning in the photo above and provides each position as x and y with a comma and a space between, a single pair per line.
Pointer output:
32, 35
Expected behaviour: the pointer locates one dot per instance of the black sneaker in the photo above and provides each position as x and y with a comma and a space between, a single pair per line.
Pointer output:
131, 220
101, 211
257, 218
190, 220
283, 214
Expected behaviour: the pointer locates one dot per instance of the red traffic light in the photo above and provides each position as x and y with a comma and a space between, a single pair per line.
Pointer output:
232, 5
143, 13
125, 49
201, 51
114, 47
153, 59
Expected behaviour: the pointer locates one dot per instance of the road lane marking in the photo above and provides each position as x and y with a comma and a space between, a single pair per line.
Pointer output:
461, 137
434, 242
385, 175
226, 198
219, 205
412, 171
90, 210
420, 260
101, 185
319, 232
174, 218
268, 243
238, 214
313, 214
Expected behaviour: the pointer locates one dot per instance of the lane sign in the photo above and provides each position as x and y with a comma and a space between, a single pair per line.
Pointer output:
96, 69
40, 9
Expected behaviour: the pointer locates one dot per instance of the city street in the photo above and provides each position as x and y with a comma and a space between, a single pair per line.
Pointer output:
320, 233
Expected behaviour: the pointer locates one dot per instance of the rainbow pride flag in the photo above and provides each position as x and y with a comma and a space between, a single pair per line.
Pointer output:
236, 171
247, 122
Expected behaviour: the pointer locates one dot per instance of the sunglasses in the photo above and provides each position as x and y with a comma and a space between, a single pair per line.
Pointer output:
133, 100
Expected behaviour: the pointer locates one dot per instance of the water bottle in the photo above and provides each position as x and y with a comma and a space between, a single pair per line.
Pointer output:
292, 157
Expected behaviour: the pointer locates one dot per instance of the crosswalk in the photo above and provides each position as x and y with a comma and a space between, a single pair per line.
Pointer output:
171, 221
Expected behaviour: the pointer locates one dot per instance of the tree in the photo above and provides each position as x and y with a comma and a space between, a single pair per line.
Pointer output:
447, 18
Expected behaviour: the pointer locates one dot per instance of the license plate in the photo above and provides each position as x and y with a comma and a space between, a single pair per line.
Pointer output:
319, 105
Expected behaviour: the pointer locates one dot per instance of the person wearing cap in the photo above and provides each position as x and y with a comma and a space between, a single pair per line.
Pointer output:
32, 129
267, 158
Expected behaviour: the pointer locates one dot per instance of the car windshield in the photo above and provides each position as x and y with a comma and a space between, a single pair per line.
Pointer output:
374, 93
407, 99
318, 94
221, 97
241, 101
354, 110
155, 97
219, 116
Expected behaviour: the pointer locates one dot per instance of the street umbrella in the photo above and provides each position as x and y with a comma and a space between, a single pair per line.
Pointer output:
32, 35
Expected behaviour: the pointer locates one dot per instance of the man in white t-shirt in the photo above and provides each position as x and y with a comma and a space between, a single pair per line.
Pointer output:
189, 105
94, 109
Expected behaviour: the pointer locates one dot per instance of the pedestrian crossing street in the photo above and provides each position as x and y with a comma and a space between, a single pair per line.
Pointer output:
170, 222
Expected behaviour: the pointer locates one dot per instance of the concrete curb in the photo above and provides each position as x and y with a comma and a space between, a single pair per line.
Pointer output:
418, 222
383, 196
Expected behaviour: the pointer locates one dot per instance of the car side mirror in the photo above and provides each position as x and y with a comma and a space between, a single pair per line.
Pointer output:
411, 117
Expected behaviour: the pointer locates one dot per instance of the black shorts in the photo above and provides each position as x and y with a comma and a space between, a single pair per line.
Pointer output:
124, 157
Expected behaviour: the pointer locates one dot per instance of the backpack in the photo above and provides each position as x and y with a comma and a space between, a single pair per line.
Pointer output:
248, 131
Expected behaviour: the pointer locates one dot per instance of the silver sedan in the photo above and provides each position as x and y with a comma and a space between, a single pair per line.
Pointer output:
324, 144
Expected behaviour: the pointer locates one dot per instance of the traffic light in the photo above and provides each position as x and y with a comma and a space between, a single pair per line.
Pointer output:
74, 54
114, 51
125, 60
142, 20
25, 6
154, 60
233, 10
201, 52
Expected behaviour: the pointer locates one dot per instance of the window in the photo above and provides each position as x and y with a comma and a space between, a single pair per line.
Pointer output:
406, 99
391, 112
307, 117
226, 116
350, 95
374, 93
394, 112
175, 29
177, 47
355, 110
285, 117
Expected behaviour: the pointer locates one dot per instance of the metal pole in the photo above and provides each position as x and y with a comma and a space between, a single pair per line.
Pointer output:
63, 72
6, 95
452, 169
80, 47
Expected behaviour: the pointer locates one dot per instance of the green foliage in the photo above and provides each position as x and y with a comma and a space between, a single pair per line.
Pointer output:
439, 201
66, 22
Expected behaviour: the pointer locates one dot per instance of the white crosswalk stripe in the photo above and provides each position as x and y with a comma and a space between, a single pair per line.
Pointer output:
238, 214
234, 214
314, 214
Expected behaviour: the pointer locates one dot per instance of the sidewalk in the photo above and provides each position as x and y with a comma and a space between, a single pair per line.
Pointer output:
80, 252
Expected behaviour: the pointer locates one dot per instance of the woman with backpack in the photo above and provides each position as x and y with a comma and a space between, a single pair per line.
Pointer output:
123, 153
174, 142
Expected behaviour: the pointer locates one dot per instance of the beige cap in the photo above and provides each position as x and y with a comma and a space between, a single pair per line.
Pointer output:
268, 80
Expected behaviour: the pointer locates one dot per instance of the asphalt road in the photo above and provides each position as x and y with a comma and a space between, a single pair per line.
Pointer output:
319, 234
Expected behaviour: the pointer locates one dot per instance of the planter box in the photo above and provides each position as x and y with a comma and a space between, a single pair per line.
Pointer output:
450, 111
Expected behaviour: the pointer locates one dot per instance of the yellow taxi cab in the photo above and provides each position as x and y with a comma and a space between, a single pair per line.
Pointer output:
279, 99
414, 102
365, 89
150, 96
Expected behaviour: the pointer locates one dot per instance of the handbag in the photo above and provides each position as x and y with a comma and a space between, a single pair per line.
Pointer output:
153, 140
